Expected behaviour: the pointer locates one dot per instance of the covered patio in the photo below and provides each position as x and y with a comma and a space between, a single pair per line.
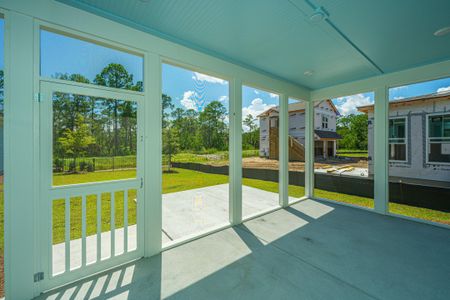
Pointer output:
310, 250
126, 124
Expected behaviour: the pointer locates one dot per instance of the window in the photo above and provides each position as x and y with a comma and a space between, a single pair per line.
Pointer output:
195, 143
344, 148
296, 150
94, 139
397, 139
260, 151
324, 122
439, 138
68, 58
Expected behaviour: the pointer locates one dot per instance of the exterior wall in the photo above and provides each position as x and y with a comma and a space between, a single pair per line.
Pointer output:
324, 109
264, 136
296, 125
415, 165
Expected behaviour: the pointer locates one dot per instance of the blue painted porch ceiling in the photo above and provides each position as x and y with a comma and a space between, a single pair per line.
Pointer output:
277, 36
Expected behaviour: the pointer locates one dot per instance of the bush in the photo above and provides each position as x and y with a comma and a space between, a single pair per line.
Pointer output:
72, 167
250, 153
83, 166
90, 167
59, 165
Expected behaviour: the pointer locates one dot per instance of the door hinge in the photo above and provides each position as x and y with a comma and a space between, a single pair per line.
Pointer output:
37, 97
38, 276
142, 182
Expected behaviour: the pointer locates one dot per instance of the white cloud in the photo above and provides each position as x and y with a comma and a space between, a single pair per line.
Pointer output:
188, 100
272, 95
256, 92
256, 107
223, 98
348, 105
443, 89
399, 97
399, 88
207, 78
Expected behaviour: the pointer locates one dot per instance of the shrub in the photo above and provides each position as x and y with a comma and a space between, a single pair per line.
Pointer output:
90, 167
72, 167
59, 165
83, 166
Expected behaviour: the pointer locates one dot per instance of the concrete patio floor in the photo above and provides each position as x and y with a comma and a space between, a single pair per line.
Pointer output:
190, 212
311, 250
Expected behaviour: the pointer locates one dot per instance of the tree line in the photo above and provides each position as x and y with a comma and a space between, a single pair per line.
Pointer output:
353, 129
92, 126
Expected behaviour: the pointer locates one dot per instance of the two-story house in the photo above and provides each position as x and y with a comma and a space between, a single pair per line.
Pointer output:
419, 137
325, 136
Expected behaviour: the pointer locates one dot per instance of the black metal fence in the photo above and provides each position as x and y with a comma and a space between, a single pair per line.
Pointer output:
92, 164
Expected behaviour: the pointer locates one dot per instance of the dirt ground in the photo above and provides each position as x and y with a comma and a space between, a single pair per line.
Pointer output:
264, 163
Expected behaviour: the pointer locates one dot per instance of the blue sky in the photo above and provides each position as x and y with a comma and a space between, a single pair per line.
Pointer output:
193, 90
188, 89
61, 54
347, 105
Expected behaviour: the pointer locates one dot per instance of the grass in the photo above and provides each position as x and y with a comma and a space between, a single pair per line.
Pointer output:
352, 153
179, 180
183, 179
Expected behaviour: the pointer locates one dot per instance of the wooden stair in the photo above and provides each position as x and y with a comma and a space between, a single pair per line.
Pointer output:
296, 149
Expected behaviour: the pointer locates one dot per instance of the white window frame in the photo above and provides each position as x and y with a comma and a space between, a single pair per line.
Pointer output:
325, 121
428, 142
406, 143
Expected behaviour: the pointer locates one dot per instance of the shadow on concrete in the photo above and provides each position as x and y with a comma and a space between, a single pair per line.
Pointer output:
311, 250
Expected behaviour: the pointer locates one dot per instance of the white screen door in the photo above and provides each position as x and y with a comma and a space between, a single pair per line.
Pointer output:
91, 175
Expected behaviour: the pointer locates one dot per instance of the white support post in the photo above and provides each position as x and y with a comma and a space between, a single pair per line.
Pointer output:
235, 152
153, 156
309, 149
21, 251
283, 149
381, 166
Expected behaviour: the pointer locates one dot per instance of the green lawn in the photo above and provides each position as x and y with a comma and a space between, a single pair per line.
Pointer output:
180, 180
352, 153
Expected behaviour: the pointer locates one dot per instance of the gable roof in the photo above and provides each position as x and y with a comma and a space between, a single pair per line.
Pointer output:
298, 107
410, 100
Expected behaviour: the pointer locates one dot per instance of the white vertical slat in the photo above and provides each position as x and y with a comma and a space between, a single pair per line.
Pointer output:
309, 149
125, 221
113, 227
381, 157
67, 233
283, 150
148, 214
235, 148
83, 231
99, 227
